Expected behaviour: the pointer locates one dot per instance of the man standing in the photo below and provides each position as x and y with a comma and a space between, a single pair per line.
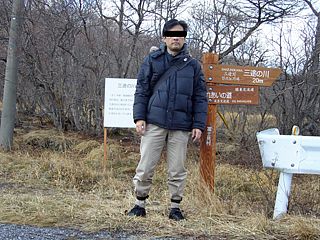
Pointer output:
170, 101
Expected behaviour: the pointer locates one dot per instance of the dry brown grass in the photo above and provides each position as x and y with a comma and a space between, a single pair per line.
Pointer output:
45, 185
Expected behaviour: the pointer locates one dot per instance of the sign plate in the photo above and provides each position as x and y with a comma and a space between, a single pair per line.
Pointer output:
229, 94
243, 75
118, 102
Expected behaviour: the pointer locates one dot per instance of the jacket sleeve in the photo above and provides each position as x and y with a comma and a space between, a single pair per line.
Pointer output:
200, 100
142, 94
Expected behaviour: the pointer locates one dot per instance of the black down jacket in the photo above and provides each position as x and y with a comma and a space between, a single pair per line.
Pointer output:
179, 102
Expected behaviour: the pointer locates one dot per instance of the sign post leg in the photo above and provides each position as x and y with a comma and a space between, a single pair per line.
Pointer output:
284, 186
283, 194
105, 152
208, 148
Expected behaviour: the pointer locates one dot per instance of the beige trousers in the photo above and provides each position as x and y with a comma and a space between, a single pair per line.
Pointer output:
151, 147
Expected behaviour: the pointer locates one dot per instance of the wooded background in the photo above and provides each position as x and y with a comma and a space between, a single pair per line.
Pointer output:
68, 48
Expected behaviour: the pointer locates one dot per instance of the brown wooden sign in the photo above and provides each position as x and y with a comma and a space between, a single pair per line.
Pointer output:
249, 78
243, 75
231, 94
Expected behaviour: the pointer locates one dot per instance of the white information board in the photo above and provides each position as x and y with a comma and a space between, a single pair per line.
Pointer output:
118, 102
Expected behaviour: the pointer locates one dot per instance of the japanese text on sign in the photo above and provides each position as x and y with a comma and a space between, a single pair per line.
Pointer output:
243, 75
233, 95
209, 134
257, 76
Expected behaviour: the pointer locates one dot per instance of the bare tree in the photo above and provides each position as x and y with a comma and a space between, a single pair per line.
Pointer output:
315, 58
164, 10
5, 11
294, 99
128, 16
133, 18
222, 25
11, 76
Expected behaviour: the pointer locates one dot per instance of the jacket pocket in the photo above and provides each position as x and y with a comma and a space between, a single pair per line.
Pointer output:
181, 103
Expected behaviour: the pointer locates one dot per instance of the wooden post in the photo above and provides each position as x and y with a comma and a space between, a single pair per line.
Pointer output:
208, 141
105, 149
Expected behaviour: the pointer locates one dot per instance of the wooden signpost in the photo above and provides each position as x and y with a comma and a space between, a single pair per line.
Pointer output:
241, 86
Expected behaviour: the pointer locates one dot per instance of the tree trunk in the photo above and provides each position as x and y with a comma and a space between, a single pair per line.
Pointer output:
316, 58
11, 76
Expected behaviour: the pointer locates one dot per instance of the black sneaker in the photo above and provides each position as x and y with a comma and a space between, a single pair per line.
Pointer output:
137, 211
175, 214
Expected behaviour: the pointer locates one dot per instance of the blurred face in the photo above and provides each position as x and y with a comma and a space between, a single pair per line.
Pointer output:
174, 43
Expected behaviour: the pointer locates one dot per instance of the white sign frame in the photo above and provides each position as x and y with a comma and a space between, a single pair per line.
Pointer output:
118, 102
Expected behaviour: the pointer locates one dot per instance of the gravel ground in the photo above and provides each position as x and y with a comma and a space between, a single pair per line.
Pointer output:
25, 232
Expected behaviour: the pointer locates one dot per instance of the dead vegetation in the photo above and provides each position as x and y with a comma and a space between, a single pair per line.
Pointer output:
57, 179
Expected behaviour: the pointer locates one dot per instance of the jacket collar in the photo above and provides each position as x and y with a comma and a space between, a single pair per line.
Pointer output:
163, 48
